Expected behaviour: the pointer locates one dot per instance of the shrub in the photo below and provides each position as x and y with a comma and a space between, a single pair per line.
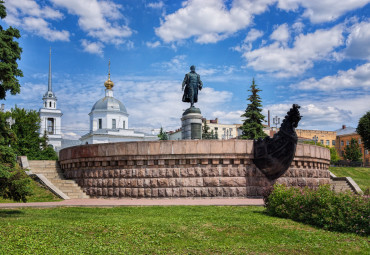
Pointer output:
14, 183
322, 207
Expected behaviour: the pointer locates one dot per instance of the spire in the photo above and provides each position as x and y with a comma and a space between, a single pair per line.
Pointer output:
49, 82
109, 84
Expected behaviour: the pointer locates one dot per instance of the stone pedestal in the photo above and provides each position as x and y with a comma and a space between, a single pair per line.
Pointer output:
191, 124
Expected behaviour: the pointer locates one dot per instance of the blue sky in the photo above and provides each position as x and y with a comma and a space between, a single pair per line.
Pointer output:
314, 53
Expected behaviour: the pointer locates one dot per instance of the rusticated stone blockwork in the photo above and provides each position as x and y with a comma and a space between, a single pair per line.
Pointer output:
204, 168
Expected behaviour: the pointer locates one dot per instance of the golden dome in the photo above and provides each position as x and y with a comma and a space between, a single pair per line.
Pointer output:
109, 84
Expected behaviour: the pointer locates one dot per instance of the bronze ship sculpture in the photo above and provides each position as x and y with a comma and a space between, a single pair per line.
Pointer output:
273, 156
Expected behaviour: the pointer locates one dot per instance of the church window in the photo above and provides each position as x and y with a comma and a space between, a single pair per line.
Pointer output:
100, 123
49, 104
46, 104
50, 125
114, 124
124, 124
54, 105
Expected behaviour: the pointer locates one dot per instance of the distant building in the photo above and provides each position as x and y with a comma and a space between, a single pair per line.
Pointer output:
327, 138
51, 116
109, 121
344, 137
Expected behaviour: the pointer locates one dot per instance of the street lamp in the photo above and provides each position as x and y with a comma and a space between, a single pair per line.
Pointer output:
276, 121
315, 138
10, 121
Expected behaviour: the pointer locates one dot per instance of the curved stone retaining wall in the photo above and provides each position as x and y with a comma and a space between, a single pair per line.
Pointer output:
203, 168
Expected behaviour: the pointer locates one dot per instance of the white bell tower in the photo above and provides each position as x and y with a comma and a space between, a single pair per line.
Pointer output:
51, 116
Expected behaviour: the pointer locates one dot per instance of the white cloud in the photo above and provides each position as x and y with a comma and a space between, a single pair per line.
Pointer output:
156, 5
287, 61
209, 21
318, 11
30, 16
232, 117
253, 35
281, 34
358, 41
92, 47
153, 44
94, 18
350, 79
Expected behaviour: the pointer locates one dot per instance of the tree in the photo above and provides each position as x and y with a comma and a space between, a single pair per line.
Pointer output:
26, 140
352, 151
363, 129
162, 135
252, 126
10, 52
22, 138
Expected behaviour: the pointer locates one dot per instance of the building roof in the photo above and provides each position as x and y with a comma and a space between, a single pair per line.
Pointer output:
109, 104
346, 131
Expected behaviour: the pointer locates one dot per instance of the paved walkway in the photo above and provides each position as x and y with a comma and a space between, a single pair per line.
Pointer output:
137, 202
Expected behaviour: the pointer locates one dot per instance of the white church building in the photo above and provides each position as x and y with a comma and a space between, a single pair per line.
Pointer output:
109, 121
50, 116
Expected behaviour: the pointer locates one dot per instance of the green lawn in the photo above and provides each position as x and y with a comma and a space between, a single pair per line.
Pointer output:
361, 175
166, 230
40, 194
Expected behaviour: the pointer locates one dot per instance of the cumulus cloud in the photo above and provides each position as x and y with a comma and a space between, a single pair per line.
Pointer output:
92, 47
94, 17
153, 44
281, 34
285, 61
358, 41
350, 79
212, 20
318, 11
209, 21
32, 17
232, 117
253, 35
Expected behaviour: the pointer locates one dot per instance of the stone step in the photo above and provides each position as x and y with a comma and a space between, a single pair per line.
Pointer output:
51, 170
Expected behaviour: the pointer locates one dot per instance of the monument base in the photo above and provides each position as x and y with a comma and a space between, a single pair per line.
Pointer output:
191, 124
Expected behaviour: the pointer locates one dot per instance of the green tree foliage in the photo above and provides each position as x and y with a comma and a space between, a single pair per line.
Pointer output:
352, 151
162, 135
10, 52
23, 137
363, 129
252, 126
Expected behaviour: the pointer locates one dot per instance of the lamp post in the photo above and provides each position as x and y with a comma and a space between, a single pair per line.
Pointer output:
315, 138
276, 121
10, 122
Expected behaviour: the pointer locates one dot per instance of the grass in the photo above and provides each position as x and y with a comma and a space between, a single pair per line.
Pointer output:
40, 194
361, 175
166, 230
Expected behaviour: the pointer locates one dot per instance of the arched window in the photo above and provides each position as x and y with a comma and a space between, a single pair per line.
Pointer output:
54, 105
46, 104
50, 104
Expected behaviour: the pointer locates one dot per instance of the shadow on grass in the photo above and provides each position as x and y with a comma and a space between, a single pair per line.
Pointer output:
10, 213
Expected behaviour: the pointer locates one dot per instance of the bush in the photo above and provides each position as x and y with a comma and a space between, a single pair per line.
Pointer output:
14, 183
322, 207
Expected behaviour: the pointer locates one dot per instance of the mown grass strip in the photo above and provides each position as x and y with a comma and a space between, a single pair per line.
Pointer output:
166, 230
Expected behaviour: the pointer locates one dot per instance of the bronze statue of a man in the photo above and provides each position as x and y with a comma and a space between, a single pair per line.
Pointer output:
191, 83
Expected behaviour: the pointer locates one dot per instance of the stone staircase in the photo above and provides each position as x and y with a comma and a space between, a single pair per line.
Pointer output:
51, 170
343, 184
340, 185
